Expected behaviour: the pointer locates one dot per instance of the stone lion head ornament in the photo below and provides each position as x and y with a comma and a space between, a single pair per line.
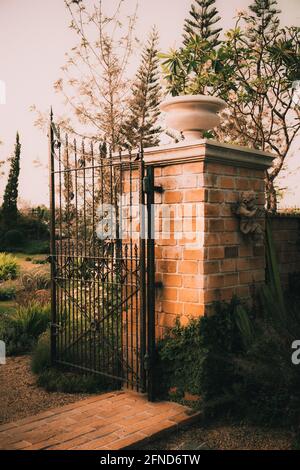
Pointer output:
248, 212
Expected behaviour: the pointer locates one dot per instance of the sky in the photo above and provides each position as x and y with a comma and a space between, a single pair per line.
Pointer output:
34, 37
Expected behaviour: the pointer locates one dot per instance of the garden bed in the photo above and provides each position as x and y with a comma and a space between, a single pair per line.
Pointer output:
20, 395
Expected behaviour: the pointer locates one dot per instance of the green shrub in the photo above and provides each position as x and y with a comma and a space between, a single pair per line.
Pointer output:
14, 238
35, 280
33, 228
37, 247
40, 360
40, 261
7, 293
24, 326
198, 358
179, 361
63, 380
8, 267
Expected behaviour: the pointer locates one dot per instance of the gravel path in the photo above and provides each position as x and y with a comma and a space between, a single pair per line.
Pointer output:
225, 437
20, 396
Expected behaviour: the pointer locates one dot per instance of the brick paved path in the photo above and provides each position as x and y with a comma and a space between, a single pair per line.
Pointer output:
111, 421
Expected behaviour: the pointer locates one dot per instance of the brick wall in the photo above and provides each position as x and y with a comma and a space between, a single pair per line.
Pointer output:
211, 260
232, 262
286, 235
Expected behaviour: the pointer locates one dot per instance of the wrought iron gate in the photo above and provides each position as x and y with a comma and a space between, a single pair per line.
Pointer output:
102, 261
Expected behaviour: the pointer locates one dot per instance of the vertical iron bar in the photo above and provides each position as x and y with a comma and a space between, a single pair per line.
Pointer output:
52, 240
76, 263
60, 251
85, 259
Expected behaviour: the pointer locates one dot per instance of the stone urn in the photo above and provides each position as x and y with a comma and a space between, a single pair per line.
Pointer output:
192, 114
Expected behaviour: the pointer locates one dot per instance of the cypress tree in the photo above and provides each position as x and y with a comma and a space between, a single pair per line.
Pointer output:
141, 123
10, 198
204, 16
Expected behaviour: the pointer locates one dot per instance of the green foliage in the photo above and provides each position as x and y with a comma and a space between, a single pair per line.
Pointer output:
13, 238
9, 210
192, 68
54, 380
24, 326
35, 280
33, 227
37, 247
141, 124
202, 21
40, 261
180, 358
41, 359
197, 358
7, 293
8, 267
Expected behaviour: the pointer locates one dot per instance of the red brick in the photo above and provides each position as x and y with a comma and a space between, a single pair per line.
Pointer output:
211, 239
212, 210
175, 308
171, 170
228, 265
231, 279
216, 225
215, 195
214, 281
211, 181
172, 197
191, 254
192, 281
246, 277
210, 267
172, 253
242, 184
188, 295
172, 280
167, 266
195, 195
188, 267
227, 182
216, 252
229, 238
187, 181
221, 169
170, 293
193, 167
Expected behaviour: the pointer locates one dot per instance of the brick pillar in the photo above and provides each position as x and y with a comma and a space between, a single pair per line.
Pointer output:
201, 255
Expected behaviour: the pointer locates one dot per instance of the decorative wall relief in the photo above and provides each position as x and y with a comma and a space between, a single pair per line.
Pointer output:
248, 212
